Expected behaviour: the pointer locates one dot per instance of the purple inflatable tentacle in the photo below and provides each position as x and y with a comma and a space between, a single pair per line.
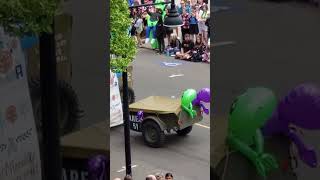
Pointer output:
307, 154
205, 110
202, 96
297, 141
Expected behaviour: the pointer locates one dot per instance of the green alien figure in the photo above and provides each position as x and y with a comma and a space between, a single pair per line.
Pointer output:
186, 101
249, 112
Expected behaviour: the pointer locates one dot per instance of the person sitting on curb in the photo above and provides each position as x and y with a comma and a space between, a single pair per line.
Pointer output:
187, 47
174, 45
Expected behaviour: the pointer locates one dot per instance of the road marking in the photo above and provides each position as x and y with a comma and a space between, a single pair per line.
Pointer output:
176, 75
224, 43
171, 64
207, 127
124, 168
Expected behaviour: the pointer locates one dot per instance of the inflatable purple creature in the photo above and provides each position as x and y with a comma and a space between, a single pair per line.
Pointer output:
300, 108
203, 95
140, 116
98, 167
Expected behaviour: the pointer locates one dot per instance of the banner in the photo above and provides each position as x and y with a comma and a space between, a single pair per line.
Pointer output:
19, 146
116, 114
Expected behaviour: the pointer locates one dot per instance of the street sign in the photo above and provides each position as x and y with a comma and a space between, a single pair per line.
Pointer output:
116, 114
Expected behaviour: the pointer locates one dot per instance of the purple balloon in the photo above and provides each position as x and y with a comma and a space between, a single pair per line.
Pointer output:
301, 108
203, 95
97, 167
140, 115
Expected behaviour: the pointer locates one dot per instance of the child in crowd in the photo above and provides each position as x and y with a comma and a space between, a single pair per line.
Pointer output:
160, 34
174, 45
199, 50
203, 29
139, 28
185, 29
187, 46
193, 25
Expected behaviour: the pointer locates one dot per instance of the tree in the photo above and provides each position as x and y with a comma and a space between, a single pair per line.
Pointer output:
122, 46
32, 17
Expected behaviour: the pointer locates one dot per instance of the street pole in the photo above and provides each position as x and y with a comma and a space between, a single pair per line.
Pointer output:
48, 83
126, 104
126, 122
153, 4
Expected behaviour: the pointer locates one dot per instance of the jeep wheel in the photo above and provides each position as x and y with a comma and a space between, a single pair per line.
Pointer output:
152, 134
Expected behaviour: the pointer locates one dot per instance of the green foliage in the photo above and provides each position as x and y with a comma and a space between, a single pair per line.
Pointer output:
20, 17
122, 46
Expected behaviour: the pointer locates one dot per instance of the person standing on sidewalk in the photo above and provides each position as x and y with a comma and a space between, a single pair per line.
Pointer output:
193, 26
160, 34
203, 29
139, 28
185, 27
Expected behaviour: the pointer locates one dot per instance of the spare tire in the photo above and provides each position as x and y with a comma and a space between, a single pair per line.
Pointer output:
69, 111
131, 95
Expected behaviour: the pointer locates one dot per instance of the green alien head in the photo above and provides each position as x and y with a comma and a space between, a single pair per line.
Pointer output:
250, 111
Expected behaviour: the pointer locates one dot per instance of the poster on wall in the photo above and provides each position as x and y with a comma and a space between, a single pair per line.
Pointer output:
116, 113
19, 147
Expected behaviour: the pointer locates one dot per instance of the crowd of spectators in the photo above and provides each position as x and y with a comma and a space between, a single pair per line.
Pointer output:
189, 42
158, 176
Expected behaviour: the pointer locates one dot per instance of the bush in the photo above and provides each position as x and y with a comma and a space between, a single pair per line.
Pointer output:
122, 46
21, 17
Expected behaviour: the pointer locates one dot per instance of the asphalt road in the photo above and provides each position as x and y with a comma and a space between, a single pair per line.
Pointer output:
275, 45
186, 157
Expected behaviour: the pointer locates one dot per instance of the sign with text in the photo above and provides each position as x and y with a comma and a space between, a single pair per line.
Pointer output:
116, 114
74, 169
19, 147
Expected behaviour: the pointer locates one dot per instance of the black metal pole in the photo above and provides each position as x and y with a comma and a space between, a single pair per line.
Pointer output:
126, 123
51, 134
144, 5
173, 4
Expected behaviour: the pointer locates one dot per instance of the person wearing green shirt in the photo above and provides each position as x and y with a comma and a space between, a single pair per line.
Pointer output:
160, 6
152, 20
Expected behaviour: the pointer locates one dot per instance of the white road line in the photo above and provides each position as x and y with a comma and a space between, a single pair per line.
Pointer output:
176, 75
207, 127
124, 168
224, 43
